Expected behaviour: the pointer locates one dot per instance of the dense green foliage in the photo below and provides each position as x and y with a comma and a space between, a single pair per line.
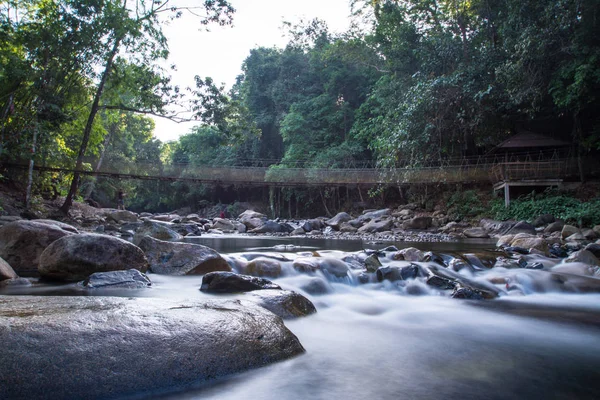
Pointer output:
412, 82
559, 205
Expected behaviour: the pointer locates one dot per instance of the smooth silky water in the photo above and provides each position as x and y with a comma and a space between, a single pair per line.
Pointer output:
374, 342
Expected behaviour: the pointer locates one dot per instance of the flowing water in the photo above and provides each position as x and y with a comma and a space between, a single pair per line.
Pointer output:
373, 341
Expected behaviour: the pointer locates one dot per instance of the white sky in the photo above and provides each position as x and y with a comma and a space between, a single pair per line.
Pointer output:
220, 52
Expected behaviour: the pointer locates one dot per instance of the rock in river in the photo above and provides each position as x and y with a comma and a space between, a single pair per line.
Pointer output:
337, 221
130, 279
6, 271
74, 258
155, 230
229, 282
176, 258
22, 243
283, 303
263, 266
63, 347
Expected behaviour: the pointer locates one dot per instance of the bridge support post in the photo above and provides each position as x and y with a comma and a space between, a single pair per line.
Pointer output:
506, 195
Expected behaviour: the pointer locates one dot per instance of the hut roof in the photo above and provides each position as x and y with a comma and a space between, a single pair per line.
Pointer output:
527, 139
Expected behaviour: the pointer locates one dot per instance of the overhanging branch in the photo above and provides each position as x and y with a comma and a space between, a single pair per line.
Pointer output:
172, 117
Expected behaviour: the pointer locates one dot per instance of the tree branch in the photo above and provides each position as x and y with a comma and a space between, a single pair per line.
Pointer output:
172, 117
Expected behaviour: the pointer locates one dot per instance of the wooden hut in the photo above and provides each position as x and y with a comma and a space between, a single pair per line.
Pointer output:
531, 160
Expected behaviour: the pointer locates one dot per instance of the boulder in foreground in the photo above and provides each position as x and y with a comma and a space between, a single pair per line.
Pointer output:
108, 347
22, 243
74, 258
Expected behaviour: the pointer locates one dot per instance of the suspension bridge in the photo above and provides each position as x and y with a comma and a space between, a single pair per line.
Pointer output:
493, 170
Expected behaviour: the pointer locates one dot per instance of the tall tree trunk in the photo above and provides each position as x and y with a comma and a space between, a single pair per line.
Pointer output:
30, 171
90, 188
88, 126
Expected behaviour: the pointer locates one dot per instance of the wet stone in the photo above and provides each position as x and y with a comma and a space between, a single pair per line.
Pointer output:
440, 282
132, 279
283, 303
315, 286
558, 251
363, 278
372, 263
516, 249
535, 265
397, 273
229, 282
466, 293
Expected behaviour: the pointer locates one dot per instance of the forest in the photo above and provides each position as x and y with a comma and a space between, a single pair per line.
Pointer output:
412, 82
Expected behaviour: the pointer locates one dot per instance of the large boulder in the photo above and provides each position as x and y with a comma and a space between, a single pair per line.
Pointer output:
409, 254
223, 225
155, 230
22, 243
109, 347
229, 282
494, 227
6, 271
346, 227
313, 225
476, 233
74, 258
283, 303
376, 214
526, 241
593, 248
376, 226
272, 227
522, 227
418, 223
555, 226
61, 225
505, 240
337, 221
121, 216
252, 219
583, 256
250, 214
177, 258
568, 230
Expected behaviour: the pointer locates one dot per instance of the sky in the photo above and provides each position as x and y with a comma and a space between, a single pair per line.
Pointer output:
220, 52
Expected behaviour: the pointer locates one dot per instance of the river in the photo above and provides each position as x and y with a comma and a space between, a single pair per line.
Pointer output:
370, 342
375, 342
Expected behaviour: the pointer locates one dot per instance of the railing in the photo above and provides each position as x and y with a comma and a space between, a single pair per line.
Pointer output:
514, 171
279, 176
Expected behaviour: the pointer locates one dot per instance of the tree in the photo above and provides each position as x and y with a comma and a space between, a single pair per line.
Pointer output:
136, 30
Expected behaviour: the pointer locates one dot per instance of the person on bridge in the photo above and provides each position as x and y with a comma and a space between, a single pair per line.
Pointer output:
120, 200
